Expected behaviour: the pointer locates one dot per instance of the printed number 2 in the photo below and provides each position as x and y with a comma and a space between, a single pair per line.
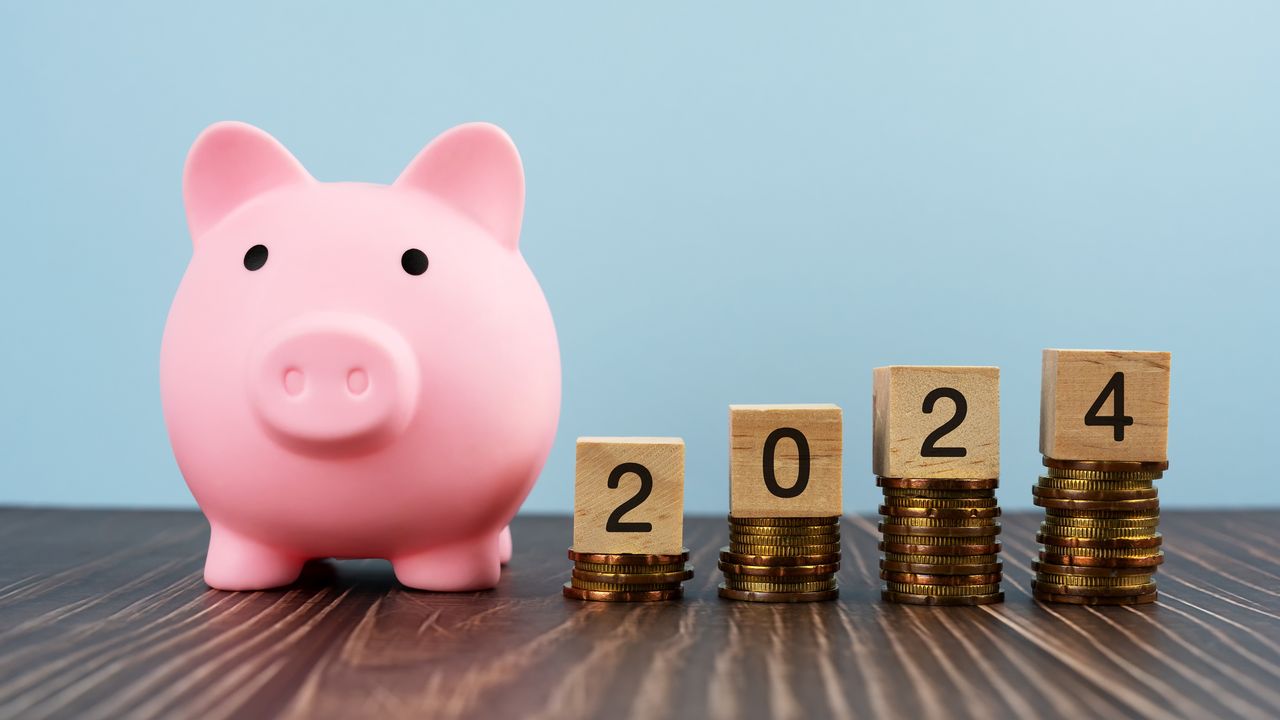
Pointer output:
929, 449
615, 523
1117, 419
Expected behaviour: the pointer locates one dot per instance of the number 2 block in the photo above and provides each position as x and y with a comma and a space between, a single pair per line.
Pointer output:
936, 422
1105, 405
629, 495
785, 460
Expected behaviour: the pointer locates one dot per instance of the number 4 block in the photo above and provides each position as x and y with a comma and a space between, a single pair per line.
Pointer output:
629, 495
1105, 405
936, 422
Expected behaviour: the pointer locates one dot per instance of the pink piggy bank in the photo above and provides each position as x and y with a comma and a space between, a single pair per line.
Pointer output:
358, 371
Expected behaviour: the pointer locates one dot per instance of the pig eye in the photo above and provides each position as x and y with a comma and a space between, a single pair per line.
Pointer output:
255, 257
414, 261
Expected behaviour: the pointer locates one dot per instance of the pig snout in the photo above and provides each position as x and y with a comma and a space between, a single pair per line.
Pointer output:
334, 383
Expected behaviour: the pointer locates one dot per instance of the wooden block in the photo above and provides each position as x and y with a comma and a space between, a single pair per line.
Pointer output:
936, 422
629, 495
785, 460
1105, 405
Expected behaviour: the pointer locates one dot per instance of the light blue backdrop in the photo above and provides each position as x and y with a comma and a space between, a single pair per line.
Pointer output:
768, 199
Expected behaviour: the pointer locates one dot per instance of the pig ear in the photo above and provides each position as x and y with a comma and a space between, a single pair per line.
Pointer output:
476, 169
229, 164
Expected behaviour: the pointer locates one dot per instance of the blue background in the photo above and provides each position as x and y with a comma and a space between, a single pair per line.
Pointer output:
730, 202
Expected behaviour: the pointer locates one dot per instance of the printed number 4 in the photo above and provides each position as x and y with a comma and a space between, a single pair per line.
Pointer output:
1117, 419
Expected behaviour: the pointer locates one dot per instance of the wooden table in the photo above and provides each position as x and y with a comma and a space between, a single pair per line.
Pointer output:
103, 614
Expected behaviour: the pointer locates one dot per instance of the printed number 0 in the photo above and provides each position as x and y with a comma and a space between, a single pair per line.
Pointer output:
929, 449
615, 523
802, 473
1117, 419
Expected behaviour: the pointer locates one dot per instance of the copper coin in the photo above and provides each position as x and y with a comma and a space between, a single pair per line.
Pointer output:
628, 558
775, 597
919, 579
1107, 465
941, 600
938, 483
940, 513
1102, 562
1045, 588
1100, 543
942, 569
1095, 600
785, 521
1109, 495
1108, 505
779, 571
1100, 572
616, 587
940, 549
728, 556
633, 578
896, 529
574, 593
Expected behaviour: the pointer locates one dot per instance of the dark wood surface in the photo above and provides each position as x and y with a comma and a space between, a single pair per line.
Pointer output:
103, 614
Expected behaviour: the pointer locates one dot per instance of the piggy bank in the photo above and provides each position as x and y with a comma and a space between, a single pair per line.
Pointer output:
352, 370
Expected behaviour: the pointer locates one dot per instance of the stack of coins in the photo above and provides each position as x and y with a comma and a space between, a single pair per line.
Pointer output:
781, 559
627, 577
1099, 544
939, 541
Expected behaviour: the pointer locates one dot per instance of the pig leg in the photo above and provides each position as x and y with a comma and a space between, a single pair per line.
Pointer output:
236, 562
504, 545
462, 566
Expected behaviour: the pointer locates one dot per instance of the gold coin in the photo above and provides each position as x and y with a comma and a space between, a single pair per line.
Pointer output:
1107, 465
778, 560
1057, 540
1101, 552
1125, 523
607, 568
1143, 505
1091, 570
1055, 483
779, 571
917, 502
1067, 473
784, 521
750, 596
940, 513
745, 549
736, 583
628, 558
619, 587
789, 531
941, 590
915, 559
939, 539
574, 593
633, 578
1082, 514
1097, 533
1095, 600
940, 600
943, 579
788, 540
1038, 585
938, 494
939, 522
1093, 581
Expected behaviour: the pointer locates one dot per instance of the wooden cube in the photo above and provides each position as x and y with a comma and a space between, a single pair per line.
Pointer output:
629, 495
1105, 405
936, 422
785, 460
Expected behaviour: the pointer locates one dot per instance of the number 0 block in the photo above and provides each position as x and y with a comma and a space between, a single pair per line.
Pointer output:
936, 422
785, 460
629, 495
1105, 405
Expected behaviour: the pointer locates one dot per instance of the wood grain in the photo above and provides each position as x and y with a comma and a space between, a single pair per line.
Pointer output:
766, 441
1073, 380
901, 426
596, 499
103, 615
